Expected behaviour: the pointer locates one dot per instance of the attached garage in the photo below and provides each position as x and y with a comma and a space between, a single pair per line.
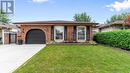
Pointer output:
35, 36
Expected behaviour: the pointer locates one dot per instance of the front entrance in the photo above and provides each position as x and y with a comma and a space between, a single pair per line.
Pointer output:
35, 36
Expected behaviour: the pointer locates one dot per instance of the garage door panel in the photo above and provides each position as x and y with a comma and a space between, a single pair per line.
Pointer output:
35, 36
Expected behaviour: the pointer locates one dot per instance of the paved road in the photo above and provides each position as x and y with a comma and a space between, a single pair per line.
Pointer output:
12, 56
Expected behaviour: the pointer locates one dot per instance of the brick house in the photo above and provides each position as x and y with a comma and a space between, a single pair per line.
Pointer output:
47, 32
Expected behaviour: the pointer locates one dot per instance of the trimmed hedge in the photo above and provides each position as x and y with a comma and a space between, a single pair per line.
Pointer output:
120, 39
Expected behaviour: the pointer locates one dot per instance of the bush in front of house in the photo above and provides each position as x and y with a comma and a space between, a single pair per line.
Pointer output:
120, 39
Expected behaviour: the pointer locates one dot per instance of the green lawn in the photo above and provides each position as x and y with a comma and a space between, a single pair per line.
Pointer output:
77, 59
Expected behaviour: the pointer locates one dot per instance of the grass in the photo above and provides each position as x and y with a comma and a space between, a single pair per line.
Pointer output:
77, 59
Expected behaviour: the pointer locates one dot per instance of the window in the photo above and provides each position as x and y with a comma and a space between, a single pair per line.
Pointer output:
81, 33
59, 33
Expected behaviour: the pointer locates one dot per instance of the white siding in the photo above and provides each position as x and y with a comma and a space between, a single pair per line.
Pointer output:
108, 29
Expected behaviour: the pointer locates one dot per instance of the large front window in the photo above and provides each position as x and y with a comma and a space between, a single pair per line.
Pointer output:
81, 33
59, 33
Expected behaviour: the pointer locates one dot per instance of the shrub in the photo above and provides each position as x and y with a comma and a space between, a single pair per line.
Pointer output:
120, 39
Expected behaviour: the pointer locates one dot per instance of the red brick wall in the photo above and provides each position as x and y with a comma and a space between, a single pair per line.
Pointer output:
6, 38
70, 30
45, 29
89, 33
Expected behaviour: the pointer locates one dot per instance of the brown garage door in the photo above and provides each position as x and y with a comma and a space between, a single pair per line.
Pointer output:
35, 36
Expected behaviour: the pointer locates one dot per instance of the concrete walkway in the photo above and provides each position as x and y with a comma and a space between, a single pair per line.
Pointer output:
12, 56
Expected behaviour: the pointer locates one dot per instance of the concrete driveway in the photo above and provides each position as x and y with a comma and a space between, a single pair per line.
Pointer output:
12, 56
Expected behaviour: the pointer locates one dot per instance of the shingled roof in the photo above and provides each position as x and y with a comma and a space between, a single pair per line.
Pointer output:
5, 25
120, 22
54, 22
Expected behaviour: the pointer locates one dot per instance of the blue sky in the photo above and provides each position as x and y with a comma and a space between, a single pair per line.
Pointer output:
41, 10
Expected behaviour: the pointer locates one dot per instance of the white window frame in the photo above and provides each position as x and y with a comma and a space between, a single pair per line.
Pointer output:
58, 40
78, 40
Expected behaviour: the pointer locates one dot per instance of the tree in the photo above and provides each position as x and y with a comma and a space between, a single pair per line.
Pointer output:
114, 18
83, 17
127, 20
4, 17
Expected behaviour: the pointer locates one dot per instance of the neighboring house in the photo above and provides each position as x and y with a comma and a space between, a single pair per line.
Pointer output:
11, 34
8, 33
118, 25
95, 29
2, 27
41, 32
